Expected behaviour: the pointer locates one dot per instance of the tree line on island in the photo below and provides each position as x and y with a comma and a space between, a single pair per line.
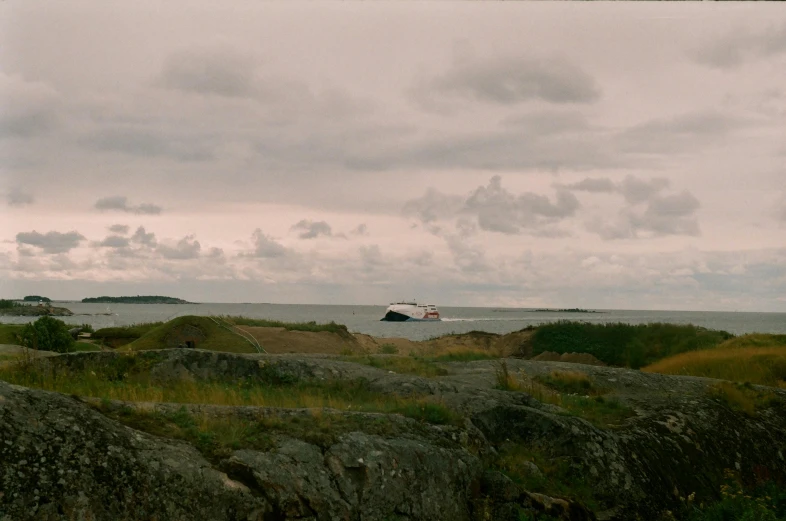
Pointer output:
139, 299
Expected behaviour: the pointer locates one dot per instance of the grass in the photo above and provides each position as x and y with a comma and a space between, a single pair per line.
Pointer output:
127, 379
464, 355
758, 359
603, 412
570, 382
624, 344
9, 332
215, 337
401, 364
556, 477
330, 327
85, 346
742, 397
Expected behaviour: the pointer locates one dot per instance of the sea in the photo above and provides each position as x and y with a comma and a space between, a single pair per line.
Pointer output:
365, 319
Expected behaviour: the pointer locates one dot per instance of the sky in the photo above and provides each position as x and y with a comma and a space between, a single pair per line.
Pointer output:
600, 155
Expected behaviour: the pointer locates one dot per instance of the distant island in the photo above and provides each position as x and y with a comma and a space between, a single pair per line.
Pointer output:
36, 298
139, 299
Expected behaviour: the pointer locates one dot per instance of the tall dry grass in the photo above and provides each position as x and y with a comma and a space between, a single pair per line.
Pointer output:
735, 362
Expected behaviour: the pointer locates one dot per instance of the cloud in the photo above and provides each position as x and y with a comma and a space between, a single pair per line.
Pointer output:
119, 202
598, 185
145, 239
671, 214
28, 108
186, 248
512, 80
311, 229
217, 71
114, 241
265, 247
740, 46
150, 142
681, 133
121, 229
360, 230
636, 190
492, 208
18, 197
51, 242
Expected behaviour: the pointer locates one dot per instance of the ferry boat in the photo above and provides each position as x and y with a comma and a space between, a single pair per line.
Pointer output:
410, 311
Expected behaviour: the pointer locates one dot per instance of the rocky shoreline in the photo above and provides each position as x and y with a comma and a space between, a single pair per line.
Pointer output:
36, 311
69, 458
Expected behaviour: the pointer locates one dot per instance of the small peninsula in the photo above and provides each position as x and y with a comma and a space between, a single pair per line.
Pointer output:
139, 299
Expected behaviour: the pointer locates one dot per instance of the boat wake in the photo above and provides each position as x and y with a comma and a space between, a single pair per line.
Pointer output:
483, 319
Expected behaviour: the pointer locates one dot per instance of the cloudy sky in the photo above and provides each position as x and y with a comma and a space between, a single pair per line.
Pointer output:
604, 155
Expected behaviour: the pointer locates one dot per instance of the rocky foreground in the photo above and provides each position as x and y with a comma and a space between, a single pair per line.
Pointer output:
65, 457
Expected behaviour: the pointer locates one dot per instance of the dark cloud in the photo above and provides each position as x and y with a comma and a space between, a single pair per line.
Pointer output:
682, 133
121, 229
218, 71
599, 184
508, 81
51, 242
738, 47
114, 241
265, 247
150, 142
18, 197
142, 237
186, 248
637, 190
360, 229
28, 108
312, 229
120, 202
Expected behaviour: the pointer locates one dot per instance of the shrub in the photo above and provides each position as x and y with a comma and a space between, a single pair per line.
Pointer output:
47, 334
388, 349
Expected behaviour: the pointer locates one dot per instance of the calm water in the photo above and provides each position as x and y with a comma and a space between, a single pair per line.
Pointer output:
365, 319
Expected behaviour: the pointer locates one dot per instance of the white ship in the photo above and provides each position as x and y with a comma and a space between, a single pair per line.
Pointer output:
410, 311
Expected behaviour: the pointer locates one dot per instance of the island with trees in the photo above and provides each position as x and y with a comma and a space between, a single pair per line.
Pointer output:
36, 298
139, 299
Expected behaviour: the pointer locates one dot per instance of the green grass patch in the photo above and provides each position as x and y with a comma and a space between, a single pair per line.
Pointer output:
85, 346
464, 355
206, 334
401, 364
624, 344
126, 378
556, 477
10, 332
313, 327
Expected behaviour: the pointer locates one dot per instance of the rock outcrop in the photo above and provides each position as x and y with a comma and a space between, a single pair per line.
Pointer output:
62, 458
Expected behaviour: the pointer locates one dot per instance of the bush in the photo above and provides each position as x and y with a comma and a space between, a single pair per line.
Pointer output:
47, 334
388, 349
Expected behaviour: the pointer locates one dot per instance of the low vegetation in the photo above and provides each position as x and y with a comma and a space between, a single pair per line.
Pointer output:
122, 335
758, 359
313, 327
743, 397
127, 378
9, 333
211, 335
624, 344
538, 471
401, 364
558, 388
